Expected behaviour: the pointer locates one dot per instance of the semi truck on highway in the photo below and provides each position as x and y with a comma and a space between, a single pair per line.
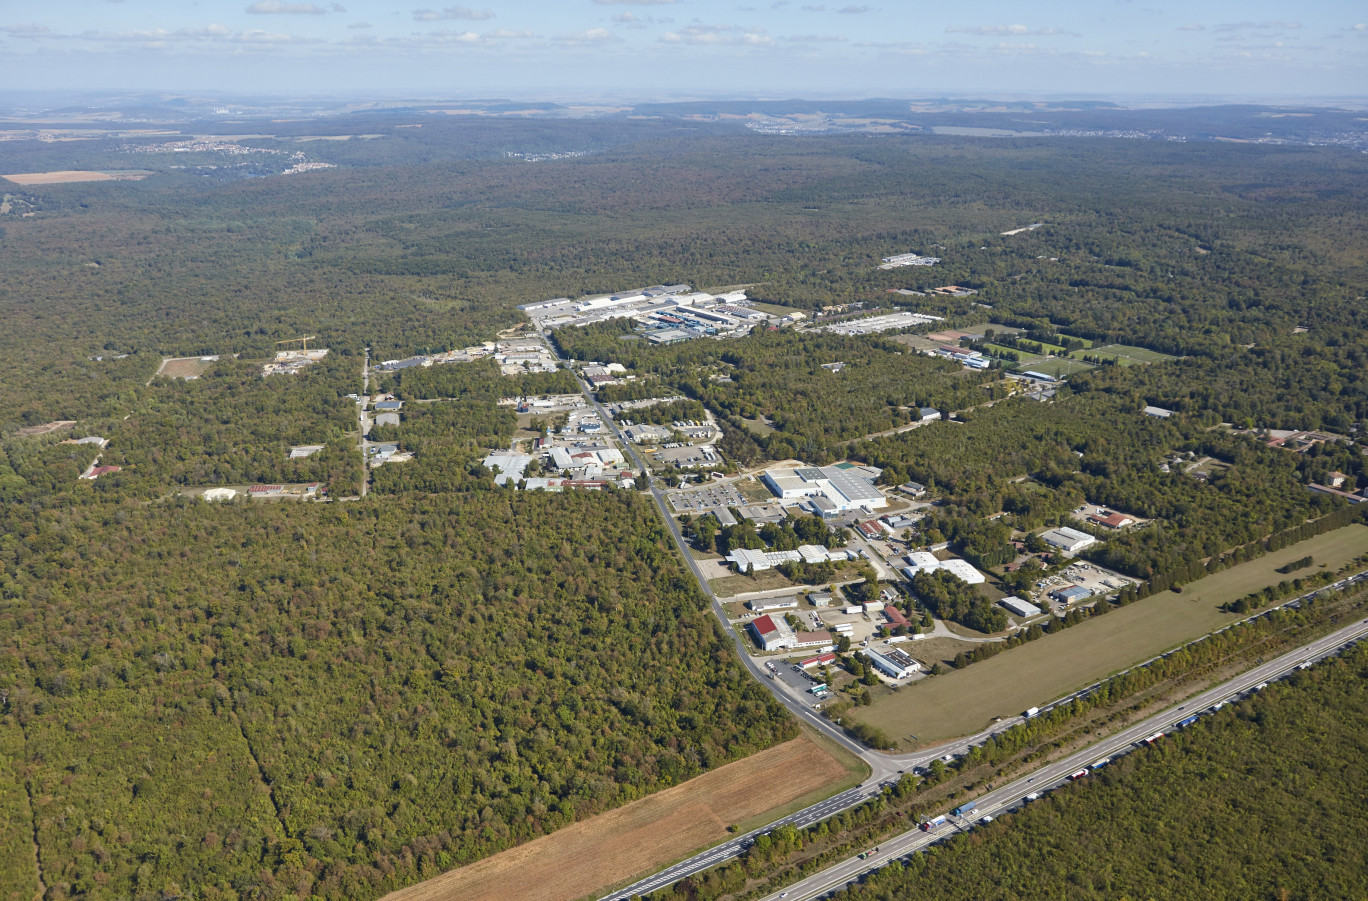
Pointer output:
933, 825
965, 809
1030, 712
1074, 777
1183, 724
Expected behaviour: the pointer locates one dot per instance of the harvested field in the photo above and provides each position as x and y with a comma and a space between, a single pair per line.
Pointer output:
184, 367
67, 176
641, 836
45, 428
965, 701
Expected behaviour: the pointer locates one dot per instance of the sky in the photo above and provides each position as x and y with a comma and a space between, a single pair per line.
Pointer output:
639, 50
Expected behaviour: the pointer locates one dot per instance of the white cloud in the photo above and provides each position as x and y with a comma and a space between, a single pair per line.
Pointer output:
1192, 28
160, 35
816, 39
356, 25
633, 2
853, 10
278, 8
27, 31
1256, 26
1003, 30
257, 36
452, 12
717, 35
591, 36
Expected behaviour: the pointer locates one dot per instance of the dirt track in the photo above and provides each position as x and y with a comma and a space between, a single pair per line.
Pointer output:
641, 836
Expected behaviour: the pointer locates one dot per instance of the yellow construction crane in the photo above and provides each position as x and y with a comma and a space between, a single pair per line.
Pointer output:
304, 341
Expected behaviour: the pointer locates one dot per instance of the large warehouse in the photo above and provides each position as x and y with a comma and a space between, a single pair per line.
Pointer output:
843, 489
1067, 539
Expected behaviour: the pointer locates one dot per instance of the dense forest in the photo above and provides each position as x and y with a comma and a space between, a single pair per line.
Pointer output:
1263, 800
252, 698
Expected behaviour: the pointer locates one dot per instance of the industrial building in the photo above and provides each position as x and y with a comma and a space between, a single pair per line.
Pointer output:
1071, 594
773, 633
820, 598
759, 561
1067, 539
925, 561
819, 660
844, 489
764, 605
1019, 607
1117, 520
895, 616
812, 640
510, 466
892, 662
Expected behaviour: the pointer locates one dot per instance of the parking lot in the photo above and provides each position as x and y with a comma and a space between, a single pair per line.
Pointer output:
792, 675
696, 500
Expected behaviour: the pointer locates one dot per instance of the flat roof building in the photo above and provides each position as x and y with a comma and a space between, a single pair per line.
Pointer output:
1019, 606
1071, 594
763, 605
1068, 539
892, 662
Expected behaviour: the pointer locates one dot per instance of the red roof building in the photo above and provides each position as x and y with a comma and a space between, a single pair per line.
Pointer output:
1112, 520
819, 660
895, 616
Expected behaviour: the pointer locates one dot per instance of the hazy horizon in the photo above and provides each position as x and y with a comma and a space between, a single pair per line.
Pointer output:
634, 50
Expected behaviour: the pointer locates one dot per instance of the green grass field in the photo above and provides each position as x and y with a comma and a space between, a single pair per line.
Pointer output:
1125, 355
1055, 366
965, 701
1087, 342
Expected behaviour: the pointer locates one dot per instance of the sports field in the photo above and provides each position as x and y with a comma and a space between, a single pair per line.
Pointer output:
644, 835
1125, 355
966, 701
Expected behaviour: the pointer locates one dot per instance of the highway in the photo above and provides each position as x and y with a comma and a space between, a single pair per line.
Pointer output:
1012, 796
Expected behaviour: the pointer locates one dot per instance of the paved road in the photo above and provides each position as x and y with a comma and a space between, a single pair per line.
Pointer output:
1012, 796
